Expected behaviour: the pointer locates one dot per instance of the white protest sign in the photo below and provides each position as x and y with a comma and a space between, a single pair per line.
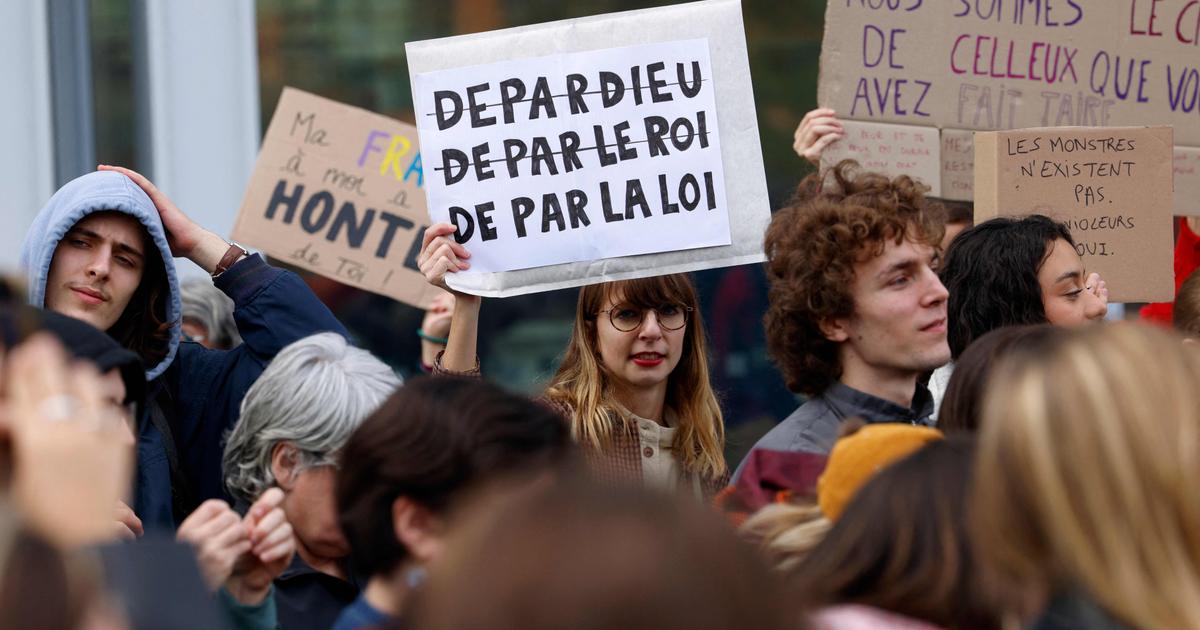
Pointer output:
602, 148
576, 157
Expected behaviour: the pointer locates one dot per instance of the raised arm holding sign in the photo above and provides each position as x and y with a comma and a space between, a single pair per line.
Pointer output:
576, 157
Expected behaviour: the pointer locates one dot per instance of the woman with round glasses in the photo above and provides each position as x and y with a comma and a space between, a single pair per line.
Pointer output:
633, 383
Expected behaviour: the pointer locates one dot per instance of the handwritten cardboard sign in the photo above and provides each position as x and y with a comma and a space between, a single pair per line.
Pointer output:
892, 150
995, 65
1187, 181
1112, 186
602, 148
338, 190
958, 164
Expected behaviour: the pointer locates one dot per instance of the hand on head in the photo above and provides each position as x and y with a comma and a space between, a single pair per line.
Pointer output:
441, 255
182, 233
71, 465
817, 130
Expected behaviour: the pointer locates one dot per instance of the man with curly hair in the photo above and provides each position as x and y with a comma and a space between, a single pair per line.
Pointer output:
857, 313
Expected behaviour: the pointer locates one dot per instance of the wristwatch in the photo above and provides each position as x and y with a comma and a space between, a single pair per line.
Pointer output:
232, 255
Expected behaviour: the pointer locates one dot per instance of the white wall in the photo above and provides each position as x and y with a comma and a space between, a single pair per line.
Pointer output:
26, 126
204, 126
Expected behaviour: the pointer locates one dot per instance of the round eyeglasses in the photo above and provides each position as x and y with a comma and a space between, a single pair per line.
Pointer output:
628, 318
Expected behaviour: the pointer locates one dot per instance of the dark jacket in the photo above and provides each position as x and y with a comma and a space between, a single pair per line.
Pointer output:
814, 426
1076, 612
201, 393
310, 600
193, 394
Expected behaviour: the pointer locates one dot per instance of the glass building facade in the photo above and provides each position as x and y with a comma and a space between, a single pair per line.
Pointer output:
353, 51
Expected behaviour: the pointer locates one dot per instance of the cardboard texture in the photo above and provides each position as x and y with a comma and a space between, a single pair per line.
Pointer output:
892, 150
958, 164
717, 21
337, 190
1112, 186
1187, 181
987, 65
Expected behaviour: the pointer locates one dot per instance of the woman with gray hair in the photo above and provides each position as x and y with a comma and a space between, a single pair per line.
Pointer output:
208, 315
294, 422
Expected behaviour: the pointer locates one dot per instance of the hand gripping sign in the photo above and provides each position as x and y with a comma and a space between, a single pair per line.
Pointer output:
603, 148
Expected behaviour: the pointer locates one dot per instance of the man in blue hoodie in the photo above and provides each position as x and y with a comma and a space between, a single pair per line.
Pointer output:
101, 250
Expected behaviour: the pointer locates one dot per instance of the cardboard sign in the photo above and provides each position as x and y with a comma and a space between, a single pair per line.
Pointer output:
579, 156
337, 190
1112, 186
602, 148
892, 150
995, 65
1187, 181
958, 164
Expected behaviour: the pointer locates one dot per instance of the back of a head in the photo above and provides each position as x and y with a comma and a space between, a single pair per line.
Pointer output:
1186, 317
961, 212
432, 441
837, 219
962, 406
1087, 452
36, 580
901, 544
588, 557
991, 272
313, 395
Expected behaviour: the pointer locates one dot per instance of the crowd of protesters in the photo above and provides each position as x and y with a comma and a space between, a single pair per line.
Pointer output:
975, 448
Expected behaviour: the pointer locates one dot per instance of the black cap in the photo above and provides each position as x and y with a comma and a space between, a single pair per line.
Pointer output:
84, 342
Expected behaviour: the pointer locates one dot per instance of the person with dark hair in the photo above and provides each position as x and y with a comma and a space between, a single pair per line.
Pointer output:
857, 312
1014, 271
1011, 271
960, 216
101, 250
962, 407
588, 557
901, 545
406, 465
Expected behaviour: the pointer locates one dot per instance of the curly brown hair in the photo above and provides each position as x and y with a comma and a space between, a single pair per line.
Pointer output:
836, 219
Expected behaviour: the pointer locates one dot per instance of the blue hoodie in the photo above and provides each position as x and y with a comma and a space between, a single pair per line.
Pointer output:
96, 192
197, 391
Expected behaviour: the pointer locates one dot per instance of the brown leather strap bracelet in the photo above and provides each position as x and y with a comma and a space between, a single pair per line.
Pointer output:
232, 255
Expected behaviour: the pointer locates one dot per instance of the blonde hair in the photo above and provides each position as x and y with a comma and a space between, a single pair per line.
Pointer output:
582, 383
1083, 478
785, 532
